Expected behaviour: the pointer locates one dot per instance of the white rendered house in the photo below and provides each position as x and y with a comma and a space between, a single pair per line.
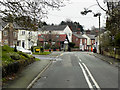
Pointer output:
27, 38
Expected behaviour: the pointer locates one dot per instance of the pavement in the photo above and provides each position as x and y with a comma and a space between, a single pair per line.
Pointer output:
107, 59
29, 73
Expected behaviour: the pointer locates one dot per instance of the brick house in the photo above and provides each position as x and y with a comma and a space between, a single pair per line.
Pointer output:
90, 41
9, 35
54, 35
79, 41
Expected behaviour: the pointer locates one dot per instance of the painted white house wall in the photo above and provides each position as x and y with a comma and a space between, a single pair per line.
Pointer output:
24, 36
68, 31
88, 39
97, 44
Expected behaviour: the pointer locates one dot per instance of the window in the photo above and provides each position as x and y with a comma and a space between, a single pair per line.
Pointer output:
85, 41
14, 34
14, 42
57, 36
23, 32
42, 36
80, 41
5, 33
6, 42
76, 39
69, 34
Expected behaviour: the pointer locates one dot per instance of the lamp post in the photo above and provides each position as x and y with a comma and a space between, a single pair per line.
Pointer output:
95, 15
98, 44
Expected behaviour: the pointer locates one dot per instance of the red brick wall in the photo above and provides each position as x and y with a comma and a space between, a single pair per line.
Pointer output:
77, 43
9, 37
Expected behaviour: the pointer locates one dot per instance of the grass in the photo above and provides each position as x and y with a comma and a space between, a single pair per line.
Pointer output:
36, 59
9, 56
42, 53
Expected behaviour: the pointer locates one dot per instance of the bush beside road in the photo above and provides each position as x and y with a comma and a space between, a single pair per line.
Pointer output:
13, 62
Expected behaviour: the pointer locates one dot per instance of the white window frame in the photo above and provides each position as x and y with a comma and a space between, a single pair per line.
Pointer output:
5, 33
23, 32
76, 39
14, 34
80, 41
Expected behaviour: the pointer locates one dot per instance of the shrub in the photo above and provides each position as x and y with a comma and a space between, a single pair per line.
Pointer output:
33, 48
7, 48
41, 49
47, 46
14, 56
71, 44
23, 54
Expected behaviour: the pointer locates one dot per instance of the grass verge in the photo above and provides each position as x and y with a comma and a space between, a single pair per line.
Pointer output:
42, 53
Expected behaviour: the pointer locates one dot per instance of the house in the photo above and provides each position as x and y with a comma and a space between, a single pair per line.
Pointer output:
55, 35
80, 41
90, 41
9, 35
27, 38
14, 34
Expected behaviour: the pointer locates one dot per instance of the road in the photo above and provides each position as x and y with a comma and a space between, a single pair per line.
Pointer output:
79, 70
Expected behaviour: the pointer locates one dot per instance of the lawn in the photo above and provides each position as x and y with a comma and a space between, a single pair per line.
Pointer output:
42, 53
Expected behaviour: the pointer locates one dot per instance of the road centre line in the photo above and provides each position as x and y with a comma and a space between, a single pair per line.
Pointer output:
97, 86
80, 60
86, 77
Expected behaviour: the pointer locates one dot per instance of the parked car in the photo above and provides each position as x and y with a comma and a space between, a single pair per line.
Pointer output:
22, 49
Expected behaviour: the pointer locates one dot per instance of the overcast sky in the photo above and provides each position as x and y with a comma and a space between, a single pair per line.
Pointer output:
72, 11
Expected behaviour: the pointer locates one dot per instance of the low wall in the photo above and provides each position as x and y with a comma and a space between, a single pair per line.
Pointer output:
15, 67
111, 54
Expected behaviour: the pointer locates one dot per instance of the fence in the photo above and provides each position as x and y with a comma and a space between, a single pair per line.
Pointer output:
111, 52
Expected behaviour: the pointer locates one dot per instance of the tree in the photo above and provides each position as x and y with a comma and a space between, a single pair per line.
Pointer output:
75, 26
34, 10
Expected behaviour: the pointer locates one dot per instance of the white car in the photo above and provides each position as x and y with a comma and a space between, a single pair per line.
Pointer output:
22, 50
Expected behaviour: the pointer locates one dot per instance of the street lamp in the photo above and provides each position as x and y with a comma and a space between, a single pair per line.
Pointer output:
95, 15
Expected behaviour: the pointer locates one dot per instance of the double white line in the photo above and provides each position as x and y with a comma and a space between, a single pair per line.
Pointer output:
85, 71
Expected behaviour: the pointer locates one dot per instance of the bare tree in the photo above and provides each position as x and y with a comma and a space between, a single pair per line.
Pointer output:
32, 10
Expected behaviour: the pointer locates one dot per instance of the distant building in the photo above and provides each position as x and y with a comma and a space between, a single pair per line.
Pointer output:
90, 41
55, 35
80, 41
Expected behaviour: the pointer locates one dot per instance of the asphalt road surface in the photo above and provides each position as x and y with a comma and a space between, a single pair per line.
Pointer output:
79, 70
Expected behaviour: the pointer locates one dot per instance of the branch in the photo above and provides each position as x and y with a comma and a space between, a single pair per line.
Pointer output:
101, 6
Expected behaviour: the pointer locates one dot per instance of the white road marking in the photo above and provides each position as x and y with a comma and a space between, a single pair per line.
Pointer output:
80, 60
86, 77
97, 86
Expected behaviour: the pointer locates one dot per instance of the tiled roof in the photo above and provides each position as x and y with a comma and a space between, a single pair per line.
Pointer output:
91, 36
54, 28
78, 35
